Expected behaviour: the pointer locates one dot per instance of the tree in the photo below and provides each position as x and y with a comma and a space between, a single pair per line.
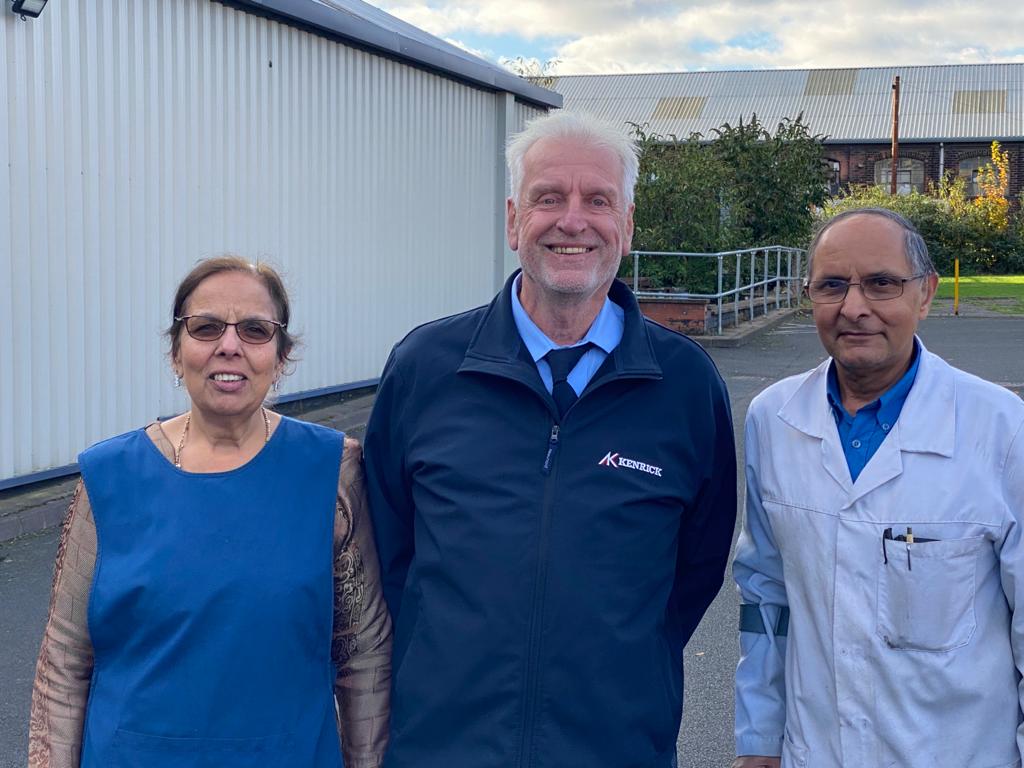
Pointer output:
679, 200
982, 233
775, 180
531, 69
744, 188
994, 182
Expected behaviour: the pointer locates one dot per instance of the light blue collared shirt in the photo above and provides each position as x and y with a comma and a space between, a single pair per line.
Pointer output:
861, 434
605, 334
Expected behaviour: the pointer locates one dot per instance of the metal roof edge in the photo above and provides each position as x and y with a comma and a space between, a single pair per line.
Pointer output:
349, 27
939, 140
880, 67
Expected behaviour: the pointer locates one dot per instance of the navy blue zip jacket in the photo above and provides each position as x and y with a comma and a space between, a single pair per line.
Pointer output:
544, 576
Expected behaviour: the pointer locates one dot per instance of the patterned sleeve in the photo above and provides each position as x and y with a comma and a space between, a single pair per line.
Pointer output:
362, 626
64, 668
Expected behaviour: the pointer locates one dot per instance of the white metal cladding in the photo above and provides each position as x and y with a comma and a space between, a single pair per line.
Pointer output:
138, 136
524, 113
927, 96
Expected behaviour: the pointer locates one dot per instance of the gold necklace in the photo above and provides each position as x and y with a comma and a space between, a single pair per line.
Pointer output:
188, 420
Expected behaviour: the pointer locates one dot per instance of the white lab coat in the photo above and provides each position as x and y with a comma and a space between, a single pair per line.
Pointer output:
888, 662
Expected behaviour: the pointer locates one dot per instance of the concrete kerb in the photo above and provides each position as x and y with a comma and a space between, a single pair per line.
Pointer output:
23, 522
738, 335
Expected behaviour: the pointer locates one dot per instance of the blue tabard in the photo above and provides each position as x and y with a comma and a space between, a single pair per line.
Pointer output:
212, 606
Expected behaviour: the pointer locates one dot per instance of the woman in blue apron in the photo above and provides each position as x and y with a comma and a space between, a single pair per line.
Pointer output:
217, 596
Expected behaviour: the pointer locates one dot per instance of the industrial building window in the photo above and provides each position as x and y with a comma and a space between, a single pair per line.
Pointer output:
833, 177
909, 175
968, 171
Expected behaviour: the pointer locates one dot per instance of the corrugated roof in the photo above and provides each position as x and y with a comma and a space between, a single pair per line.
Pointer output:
370, 27
941, 103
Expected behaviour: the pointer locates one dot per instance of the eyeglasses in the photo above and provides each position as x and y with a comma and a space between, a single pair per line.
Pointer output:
833, 290
252, 330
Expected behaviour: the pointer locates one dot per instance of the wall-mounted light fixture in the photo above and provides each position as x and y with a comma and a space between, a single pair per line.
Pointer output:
28, 7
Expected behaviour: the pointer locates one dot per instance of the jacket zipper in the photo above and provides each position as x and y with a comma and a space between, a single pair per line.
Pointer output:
552, 448
532, 681
548, 470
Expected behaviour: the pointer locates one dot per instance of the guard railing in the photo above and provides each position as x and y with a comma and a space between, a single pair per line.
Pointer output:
760, 277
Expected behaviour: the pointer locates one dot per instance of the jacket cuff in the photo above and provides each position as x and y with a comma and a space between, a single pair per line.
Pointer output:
756, 745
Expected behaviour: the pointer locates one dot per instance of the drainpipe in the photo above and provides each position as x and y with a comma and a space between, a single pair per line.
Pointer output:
942, 160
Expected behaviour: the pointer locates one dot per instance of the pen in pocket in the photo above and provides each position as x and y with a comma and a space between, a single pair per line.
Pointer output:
908, 538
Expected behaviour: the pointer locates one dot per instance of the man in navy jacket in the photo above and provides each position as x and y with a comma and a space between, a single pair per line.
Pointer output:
552, 482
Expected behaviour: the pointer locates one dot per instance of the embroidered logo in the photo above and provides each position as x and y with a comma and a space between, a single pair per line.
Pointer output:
616, 461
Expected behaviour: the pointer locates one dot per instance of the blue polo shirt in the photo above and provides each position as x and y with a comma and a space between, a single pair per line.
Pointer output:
605, 334
861, 435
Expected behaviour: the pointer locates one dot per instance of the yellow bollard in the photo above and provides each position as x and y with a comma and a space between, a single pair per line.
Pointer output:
956, 287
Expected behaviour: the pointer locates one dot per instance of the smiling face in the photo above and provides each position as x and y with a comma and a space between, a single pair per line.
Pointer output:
869, 340
228, 377
572, 225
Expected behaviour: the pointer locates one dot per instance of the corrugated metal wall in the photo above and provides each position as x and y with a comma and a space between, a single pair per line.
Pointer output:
137, 136
524, 113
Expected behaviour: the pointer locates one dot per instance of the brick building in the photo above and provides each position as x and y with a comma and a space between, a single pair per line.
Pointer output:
949, 115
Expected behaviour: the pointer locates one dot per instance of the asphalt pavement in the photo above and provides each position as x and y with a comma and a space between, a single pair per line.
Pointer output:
991, 347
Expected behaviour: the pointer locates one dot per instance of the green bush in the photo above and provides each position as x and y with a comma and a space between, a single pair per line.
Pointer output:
677, 209
952, 226
745, 188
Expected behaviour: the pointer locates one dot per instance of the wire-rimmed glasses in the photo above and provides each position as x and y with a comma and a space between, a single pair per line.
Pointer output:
832, 290
251, 330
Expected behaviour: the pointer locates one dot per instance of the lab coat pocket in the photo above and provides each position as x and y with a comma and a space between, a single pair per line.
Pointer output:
926, 593
792, 755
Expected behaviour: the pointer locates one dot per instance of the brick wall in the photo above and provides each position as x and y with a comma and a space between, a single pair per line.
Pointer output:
857, 161
686, 316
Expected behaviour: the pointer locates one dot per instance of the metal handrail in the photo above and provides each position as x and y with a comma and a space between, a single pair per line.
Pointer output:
769, 277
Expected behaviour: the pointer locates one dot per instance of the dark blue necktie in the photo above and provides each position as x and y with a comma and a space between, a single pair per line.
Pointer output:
562, 361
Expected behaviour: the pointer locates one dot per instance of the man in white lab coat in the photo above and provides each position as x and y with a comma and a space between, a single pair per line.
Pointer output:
881, 563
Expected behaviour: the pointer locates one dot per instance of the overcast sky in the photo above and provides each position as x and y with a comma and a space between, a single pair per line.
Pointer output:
603, 36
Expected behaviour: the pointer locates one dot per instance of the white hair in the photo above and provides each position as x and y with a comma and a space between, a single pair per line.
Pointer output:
588, 130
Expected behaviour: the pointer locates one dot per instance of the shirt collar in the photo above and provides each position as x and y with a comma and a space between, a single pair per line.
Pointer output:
889, 403
605, 332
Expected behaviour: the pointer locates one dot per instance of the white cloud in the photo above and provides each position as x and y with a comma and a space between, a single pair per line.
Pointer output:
483, 54
658, 35
528, 19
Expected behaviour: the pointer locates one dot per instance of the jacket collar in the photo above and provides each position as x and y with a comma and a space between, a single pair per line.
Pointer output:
927, 423
496, 346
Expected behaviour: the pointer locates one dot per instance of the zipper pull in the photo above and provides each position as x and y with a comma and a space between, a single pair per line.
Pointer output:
552, 447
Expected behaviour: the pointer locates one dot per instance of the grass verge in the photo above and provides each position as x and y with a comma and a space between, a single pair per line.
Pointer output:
984, 286
1000, 293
